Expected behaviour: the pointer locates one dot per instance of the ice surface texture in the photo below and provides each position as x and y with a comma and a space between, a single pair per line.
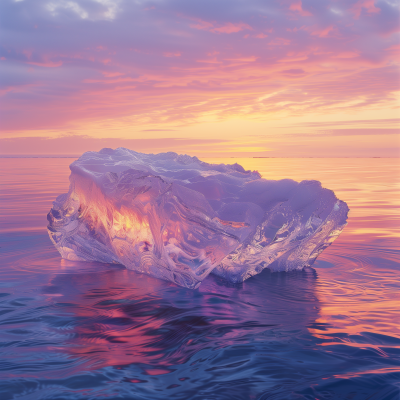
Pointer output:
178, 218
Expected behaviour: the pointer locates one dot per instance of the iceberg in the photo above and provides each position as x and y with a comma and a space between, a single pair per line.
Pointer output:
178, 218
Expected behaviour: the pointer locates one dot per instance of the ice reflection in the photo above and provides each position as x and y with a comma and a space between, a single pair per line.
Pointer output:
120, 317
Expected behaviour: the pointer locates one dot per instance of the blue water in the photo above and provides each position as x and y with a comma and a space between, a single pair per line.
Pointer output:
75, 330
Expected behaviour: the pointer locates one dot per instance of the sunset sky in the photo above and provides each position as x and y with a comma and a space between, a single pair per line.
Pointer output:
279, 78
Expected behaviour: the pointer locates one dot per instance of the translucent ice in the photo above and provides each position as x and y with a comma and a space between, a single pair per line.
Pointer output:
178, 218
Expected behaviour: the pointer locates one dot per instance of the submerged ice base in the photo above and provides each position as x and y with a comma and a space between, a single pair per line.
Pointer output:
177, 218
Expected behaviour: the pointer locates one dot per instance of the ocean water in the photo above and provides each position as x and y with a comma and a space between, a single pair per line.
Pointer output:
75, 330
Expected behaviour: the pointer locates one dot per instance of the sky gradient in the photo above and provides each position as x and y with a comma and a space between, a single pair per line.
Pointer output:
284, 78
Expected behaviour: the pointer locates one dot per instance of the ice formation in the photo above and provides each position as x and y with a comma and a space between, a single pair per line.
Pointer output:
178, 218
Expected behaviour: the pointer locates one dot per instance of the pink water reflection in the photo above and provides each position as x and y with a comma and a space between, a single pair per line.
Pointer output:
121, 317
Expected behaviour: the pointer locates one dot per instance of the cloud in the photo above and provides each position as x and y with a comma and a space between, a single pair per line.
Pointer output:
227, 27
279, 42
157, 130
364, 122
298, 6
93, 10
294, 71
362, 131
361, 5
321, 32
170, 54
69, 63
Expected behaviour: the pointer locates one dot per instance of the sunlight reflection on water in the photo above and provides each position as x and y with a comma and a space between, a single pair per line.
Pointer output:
72, 330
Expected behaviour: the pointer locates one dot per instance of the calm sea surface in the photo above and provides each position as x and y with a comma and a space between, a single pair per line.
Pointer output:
75, 330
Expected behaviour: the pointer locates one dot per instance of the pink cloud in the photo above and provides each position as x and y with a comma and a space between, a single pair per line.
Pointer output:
294, 71
111, 74
210, 61
228, 27
243, 59
257, 36
27, 53
202, 25
395, 47
169, 54
324, 32
297, 6
108, 81
348, 54
320, 32
42, 61
232, 28
279, 42
17, 89
46, 64
368, 5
